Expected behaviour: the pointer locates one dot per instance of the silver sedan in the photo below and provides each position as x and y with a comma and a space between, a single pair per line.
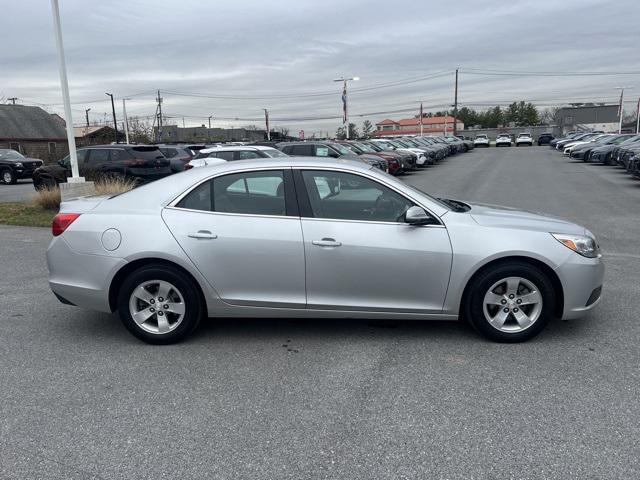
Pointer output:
308, 237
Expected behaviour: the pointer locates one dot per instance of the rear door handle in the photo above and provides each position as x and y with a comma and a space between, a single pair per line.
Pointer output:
326, 242
203, 234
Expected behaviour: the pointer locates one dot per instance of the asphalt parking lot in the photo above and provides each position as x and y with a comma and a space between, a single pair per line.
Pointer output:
21, 191
262, 399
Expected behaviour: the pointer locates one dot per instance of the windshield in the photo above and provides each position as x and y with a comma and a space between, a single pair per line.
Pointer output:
422, 192
273, 153
342, 149
9, 154
603, 139
364, 148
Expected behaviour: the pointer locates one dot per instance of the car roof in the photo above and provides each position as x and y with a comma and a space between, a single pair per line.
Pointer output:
235, 148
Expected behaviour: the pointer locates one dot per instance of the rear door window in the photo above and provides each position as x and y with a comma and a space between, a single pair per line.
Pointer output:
98, 156
302, 150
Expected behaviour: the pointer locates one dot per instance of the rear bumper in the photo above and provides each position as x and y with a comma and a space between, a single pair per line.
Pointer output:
80, 279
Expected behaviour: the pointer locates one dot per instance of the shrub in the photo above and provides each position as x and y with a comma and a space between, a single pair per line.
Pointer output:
47, 198
113, 184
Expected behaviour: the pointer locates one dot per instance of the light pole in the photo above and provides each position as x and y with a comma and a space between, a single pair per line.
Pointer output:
621, 106
345, 111
86, 115
75, 174
126, 120
209, 131
113, 109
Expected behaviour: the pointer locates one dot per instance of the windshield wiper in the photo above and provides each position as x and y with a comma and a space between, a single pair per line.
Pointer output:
455, 205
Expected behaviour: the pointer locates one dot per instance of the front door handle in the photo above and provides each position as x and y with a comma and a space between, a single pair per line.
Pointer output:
203, 234
326, 242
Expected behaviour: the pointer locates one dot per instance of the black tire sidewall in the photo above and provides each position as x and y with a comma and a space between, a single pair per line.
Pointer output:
13, 176
474, 302
193, 304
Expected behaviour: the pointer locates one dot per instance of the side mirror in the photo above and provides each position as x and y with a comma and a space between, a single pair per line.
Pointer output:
416, 216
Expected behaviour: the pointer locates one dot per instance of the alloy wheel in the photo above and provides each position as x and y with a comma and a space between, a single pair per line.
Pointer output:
157, 306
512, 304
6, 176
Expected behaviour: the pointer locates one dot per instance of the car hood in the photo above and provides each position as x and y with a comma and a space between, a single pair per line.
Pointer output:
505, 217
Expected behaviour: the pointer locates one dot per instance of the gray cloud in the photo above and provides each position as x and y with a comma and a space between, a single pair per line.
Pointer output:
257, 48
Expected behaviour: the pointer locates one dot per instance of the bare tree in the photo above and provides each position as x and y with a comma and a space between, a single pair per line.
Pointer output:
140, 130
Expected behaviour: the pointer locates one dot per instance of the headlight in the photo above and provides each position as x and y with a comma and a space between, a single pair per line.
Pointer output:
18, 164
581, 244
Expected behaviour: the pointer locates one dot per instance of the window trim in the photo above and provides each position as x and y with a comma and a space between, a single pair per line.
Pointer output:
305, 203
290, 197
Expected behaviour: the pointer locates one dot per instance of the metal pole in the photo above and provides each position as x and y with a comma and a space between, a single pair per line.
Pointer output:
455, 108
209, 131
638, 117
266, 121
621, 110
113, 110
159, 117
346, 109
57, 29
126, 120
86, 114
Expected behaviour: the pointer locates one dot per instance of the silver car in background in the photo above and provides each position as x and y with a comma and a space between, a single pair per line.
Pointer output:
308, 237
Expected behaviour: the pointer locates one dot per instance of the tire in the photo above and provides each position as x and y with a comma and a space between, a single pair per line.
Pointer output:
493, 283
8, 177
183, 294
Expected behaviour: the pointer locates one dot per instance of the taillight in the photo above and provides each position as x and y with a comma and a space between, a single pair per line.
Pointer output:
135, 162
61, 221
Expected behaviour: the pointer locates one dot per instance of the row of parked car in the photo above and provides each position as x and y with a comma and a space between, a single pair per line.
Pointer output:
614, 149
506, 140
145, 163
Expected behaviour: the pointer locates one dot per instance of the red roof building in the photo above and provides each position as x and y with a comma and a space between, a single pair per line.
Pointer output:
411, 126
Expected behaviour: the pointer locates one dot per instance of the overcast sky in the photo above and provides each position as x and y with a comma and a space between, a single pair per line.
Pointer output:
283, 55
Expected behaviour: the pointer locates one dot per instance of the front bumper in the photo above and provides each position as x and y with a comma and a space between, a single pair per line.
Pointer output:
582, 285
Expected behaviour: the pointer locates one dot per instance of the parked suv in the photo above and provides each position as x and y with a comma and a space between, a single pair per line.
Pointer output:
142, 163
178, 155
14, 165
544, 138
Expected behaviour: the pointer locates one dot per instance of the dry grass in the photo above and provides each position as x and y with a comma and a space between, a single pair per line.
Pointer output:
112, 185
47, 198
27, 214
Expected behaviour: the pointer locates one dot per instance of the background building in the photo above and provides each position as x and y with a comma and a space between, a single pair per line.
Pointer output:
96, 135
173, 133
409, 126
33, 132
588, 117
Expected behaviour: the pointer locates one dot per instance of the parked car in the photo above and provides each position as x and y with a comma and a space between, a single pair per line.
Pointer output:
311, 237
583, 151
422, 152
430, 153
482, 140
359, 149
568, 147
331, 150
503, 139
178, 156
524, 139
544, 138
553, 143
407, 159
583, 136
210, 156
442, 151
417, 155
141, 163
14, 166
606, 153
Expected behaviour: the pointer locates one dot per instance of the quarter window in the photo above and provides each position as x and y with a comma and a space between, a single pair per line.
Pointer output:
228, 156
346, 196
246, 154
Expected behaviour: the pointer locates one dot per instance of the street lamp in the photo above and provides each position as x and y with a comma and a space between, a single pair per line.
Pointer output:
113, 109
621, 106
345, 111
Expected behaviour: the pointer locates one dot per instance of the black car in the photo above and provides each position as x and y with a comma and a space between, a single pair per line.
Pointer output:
545, 138
178, 155
330, 150
142, 163
14, 166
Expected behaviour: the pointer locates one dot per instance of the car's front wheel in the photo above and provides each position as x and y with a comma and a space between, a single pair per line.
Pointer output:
159, 304
510, 303
8, 177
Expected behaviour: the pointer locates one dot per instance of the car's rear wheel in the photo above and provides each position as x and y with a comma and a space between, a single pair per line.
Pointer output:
510, 303
159, 304
8, 177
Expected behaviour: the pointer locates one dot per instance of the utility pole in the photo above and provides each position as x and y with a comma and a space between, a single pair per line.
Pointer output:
13, 100
621, 106
266, 121
345, 111
159, 99
113, 109
126, 120
638, 117
209, 131
455, 108
86, 115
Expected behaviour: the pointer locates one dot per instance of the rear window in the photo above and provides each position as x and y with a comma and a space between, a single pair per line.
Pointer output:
146, 153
